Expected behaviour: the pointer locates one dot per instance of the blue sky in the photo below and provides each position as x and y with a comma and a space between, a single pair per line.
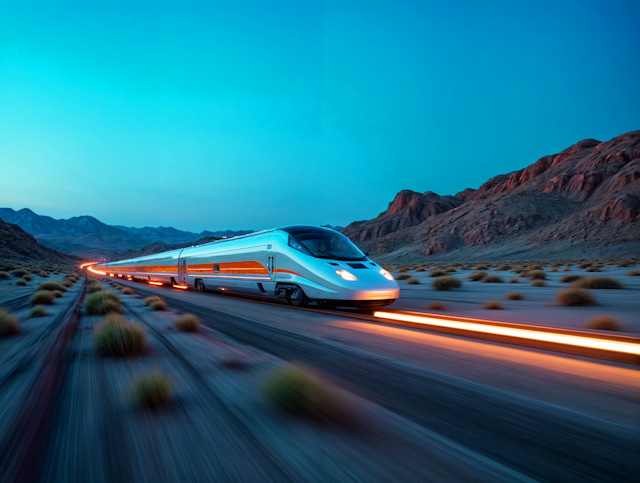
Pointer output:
239, 114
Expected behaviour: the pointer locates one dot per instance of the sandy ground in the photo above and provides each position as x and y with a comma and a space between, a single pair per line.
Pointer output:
538, 306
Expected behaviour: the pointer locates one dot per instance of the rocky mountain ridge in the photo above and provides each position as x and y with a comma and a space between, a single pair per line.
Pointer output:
89, 237
583, 200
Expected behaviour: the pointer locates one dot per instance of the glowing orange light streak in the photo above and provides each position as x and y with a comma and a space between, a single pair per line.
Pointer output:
155, 283
111, 275
574, 340
97, 272
87, 264
180, 286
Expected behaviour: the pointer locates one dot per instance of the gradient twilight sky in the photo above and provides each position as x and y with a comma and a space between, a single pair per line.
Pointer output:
242, 114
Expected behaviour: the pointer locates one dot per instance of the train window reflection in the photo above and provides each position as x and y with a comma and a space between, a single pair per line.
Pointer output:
326, 244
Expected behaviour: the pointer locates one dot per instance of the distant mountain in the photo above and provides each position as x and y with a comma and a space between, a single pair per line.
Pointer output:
162, 247
86, 236
336, 228
581, 202
16, 245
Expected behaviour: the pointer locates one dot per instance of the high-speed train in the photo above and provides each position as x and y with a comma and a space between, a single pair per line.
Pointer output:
300, 264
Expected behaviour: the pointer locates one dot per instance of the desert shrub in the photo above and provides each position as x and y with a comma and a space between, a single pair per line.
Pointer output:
93, 288
44, 274
21, 282
538, 283
28, 277
565, 269
571, 278
421, 269
413, 281
502, 268
437, 273
573, 297
553, 269
102, 302
56, 293
626, 263
8, 323
126, 291
38, 311
66, 284
535, 274
603, 322
4, 276
513, 296
445, 283
597, 283
402, 270
491, 279
188, 323
43, 297
513, 280
450, 270
56, 273
152, 391
158, 305
149, 300
482, 266
584, 265
115, 336
634, 273
437, 306
52, 286
402, 276
19, 272
492, 305
476, 276
592, 269
301, 391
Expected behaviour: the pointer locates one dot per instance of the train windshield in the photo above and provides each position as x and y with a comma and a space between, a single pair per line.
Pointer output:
325, 244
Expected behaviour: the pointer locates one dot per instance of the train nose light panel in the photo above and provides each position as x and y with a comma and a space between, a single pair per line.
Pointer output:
386, 274
346, 275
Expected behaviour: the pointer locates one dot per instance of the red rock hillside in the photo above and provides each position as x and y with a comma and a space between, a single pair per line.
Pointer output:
582, 202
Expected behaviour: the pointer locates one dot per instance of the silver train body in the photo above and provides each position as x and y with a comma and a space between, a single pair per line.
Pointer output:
272, 264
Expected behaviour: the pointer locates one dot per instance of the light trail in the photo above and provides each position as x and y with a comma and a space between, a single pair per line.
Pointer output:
573, 340
155, 283
180, 286
97, 272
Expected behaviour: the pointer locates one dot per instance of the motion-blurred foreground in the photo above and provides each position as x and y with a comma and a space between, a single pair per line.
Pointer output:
105, 380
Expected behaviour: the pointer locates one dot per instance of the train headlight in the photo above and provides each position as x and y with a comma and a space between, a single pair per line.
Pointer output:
346, 275
386, 274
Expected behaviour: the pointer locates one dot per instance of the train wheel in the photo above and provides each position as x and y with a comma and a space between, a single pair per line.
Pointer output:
200, 286
298, 298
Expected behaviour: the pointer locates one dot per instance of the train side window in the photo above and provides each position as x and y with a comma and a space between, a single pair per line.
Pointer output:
216, 268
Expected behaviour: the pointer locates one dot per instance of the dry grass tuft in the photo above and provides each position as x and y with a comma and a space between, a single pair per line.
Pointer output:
38, 311
28, 277
604, 322
188, 323
421, 269
513, 280
44, 274
300, 390
476, 276
19, 272
574, 297
158, 305
118, 337
4, 276
437, 306
491, 279
445, 283
437, 273
513, 296
56, 293
553, 269
152, 391
634, 273
492, 305
402, 276
102, 302
52, 286
413, 281
597, 283
538, 283
67, 284
571, 278
592, 269
535, 274
150, 300
8, 323
126, 291
20, 282
626, 263
43, 297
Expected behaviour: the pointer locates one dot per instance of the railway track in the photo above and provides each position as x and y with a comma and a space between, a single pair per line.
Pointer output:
540, 440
